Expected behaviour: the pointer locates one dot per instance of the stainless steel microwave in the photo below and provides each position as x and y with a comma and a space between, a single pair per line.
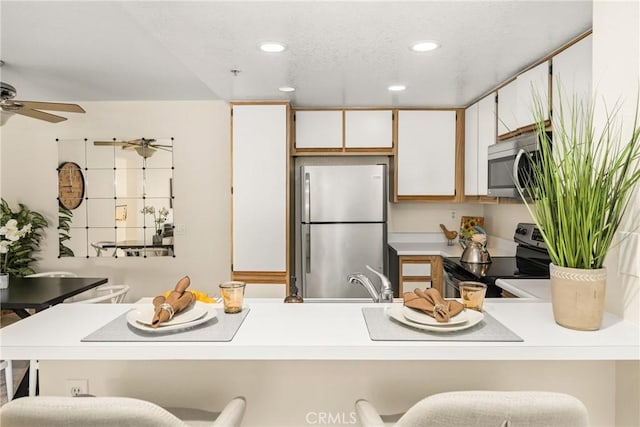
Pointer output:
509, 161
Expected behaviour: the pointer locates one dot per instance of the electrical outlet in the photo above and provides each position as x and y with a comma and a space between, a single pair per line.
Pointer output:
76, 387
180, 229
453, 214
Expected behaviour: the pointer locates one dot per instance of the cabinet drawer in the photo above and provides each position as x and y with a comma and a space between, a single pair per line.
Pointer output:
410, 269
411, 286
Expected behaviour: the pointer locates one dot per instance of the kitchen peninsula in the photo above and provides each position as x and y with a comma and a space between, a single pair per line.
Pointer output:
321, 355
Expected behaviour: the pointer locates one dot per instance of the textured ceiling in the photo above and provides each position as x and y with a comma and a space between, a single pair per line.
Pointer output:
339, 53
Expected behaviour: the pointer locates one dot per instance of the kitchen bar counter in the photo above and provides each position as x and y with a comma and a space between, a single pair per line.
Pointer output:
436, 244
326, 331
530, 289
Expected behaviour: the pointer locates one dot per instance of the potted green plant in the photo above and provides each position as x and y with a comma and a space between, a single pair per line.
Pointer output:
577, 194
21, 233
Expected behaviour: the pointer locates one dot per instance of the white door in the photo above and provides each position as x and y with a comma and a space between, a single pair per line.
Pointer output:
471, 150
486, 137
507, 108
426, 159
369, 129
530, 84
318, 129
259, 183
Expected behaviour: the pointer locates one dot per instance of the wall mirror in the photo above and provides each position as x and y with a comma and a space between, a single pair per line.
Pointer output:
115, 197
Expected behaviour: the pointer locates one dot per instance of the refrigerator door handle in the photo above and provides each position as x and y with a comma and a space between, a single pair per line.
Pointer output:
306, 197
307, 250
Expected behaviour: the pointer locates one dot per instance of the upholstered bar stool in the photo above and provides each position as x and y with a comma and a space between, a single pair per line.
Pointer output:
56, 411
483, 408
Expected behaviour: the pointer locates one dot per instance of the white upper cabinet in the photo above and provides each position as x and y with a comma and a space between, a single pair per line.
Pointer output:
486, 137
471, 150
426, 158
507, 108
259, 181
318, 129
480, 132
572, 74
368, 129
534, 81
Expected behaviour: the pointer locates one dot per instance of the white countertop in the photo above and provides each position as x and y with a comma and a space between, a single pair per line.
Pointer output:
536, 289
436, 244
317, 331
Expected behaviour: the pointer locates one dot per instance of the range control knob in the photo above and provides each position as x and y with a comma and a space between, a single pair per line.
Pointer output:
521, 230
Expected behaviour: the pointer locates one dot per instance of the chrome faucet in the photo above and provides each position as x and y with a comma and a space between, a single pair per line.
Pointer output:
386, 291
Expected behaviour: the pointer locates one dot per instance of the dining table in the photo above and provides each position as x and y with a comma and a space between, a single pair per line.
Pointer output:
39, 293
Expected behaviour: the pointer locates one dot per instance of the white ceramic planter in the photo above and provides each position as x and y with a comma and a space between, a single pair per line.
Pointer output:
4, 281
577, 297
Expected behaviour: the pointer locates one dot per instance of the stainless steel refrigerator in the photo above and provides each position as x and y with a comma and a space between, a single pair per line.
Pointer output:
343, 227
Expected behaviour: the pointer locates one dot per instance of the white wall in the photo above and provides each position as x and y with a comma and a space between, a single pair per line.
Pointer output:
294, 393
201, 186
616, 74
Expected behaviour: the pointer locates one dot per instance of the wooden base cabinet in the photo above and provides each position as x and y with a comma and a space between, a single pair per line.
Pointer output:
260, 191
408, 272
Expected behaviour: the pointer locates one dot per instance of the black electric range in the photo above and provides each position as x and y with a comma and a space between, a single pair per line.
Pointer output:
531, 262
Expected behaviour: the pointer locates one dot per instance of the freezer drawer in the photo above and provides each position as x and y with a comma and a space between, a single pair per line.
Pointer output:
332, 251
337, 193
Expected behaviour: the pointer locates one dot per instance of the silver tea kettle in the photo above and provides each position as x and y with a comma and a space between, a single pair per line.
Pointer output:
475, 253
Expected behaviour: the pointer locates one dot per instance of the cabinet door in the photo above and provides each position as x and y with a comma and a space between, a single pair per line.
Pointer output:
507, 108
426, 158
572, 77
534, 82
318, 129
368, 129
259, 146
471, 150
486, 137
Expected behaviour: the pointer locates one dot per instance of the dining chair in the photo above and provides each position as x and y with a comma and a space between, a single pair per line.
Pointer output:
99, 247
483, 408
7, 367
114, 294
57, 411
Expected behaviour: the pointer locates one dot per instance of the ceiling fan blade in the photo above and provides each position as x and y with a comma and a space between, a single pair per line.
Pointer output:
161, 145
108, 143
52, 106
41, 115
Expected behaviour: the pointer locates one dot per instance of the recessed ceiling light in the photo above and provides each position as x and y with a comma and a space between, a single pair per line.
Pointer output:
397, 88
272, 47
286, 89
425, 46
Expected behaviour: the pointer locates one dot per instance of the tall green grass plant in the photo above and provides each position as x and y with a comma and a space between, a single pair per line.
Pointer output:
582, 181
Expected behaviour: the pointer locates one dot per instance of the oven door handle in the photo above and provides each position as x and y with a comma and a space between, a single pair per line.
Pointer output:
516, 168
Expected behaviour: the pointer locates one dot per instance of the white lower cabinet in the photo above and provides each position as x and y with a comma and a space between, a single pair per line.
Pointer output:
259, 187
426, 157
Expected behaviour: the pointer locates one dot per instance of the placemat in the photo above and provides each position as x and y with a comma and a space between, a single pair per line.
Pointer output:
383, 328
221, 328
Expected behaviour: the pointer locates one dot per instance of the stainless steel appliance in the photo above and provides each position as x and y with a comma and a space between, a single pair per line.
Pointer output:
509, 159
343, 227
531, 262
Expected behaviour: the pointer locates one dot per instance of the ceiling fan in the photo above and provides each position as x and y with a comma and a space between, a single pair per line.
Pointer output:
10, 106
143, 146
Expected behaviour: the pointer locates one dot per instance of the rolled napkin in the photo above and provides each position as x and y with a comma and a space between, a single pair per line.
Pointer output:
430, 302
177, 301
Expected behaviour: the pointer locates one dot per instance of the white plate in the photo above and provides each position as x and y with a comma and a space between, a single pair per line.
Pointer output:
473, 317
420, 317
144, 314
133, 316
